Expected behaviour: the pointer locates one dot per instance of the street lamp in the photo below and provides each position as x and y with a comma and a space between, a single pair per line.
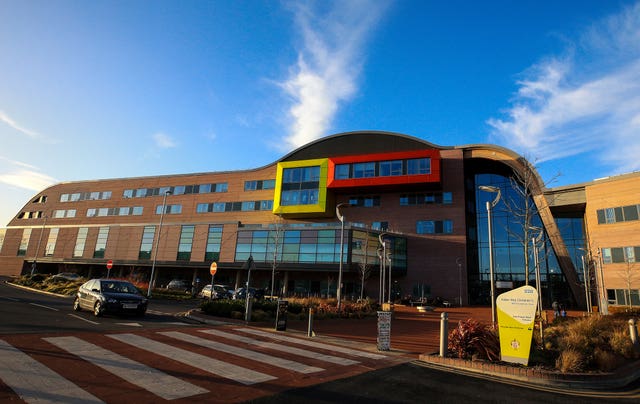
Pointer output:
389, 258
382, 254
155, 252
491, 205
536, 264
34, 267
341, 218
459, 262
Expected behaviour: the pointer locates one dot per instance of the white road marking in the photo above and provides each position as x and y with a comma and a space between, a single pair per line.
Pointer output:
150, 379
36, 383
313, 344
11, 298
283, 348
131, 324
211, 365
44, 307
245, 353
84, 319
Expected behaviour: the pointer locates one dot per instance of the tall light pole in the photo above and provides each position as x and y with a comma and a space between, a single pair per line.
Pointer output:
382, 254
341, 218
459, 262
491, 205
34, 267
536, 264
389, 258
155, 252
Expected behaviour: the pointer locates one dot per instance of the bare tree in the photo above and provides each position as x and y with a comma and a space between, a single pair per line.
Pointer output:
364, 266
629, 273
275, 241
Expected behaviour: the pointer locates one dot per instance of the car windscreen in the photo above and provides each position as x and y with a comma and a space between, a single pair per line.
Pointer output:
117, 287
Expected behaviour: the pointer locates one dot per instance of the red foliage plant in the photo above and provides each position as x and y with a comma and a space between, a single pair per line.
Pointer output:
473, 339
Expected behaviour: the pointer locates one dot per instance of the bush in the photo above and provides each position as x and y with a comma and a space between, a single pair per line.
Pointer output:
472, 339
571, 361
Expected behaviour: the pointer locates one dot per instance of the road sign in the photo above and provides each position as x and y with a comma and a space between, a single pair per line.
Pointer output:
213, 268
109, 264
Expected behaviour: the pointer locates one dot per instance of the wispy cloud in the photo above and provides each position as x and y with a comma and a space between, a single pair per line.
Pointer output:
585, 100
164, 141
328, 64
6, 119
24, 175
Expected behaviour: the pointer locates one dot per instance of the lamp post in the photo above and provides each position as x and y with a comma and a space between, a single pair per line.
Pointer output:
341, 218
459, 262
491, 205
155, 252
34, 266
389, 258
382, 254
536, 264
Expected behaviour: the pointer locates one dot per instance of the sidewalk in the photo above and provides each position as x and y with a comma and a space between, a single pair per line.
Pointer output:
416, 336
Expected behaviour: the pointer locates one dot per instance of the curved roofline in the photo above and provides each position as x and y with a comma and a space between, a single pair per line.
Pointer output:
377, 132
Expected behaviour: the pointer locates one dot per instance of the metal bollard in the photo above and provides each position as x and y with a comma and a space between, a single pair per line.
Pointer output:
633, 331
310, 332
444, 333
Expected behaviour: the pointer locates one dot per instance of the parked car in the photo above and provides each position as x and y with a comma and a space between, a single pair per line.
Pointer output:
180, 284
110, 296
219, 292
253, 293
66, 276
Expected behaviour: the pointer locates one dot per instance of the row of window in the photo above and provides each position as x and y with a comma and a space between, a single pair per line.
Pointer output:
383, 168
30, 215
122, 211
85, 196
624, 297
618, 214
257, 185
175, 190
618, 255
445, 198
245, 206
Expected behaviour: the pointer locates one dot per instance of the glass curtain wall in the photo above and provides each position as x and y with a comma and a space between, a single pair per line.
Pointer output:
508, 240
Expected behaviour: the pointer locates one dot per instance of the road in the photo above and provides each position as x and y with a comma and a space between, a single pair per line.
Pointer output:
48, 353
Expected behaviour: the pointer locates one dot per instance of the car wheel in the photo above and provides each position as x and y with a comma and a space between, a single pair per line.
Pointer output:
97, 309
76, 304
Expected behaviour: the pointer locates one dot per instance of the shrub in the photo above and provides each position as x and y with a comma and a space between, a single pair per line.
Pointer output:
473, 339
570, 361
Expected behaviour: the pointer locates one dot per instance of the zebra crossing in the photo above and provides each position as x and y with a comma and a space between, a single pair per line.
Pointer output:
174, 364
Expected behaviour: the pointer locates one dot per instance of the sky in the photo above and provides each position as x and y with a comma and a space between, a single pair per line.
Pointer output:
113, 89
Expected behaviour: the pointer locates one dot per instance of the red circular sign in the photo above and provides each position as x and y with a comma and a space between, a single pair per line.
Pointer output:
109, 264
213, 268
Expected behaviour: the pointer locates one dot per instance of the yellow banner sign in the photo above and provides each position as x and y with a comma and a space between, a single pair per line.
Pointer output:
516, 318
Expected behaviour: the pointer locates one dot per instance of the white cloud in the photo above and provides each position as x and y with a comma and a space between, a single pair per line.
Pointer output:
27, 179
587, 100
7, 120
328, 64
164, 141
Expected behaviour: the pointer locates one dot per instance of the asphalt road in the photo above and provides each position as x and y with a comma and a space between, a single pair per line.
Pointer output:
26, 311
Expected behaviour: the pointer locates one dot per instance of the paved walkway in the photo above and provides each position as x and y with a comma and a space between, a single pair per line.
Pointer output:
412, 332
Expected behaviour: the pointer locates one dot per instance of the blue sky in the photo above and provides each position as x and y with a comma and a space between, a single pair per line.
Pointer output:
110, 89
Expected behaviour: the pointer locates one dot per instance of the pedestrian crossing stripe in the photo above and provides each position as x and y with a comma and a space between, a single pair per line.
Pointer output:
279, 347
211, 365
244, 353
36, 383
150, 379
314, 344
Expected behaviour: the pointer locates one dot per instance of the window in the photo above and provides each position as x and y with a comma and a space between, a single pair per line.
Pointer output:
300, 186
380, 225
248, 205
24, 242
128, 193
101, 242
434, 226
204, 207
342, 171
81, 238
51, 242
214, 240
169, 209
630, 212
250, 185
419, 166
390, 168
364, 170
137, 210
186, 241
146, 245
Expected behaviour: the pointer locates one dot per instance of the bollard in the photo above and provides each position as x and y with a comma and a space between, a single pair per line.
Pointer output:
633, 331
444, 332
310, 332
